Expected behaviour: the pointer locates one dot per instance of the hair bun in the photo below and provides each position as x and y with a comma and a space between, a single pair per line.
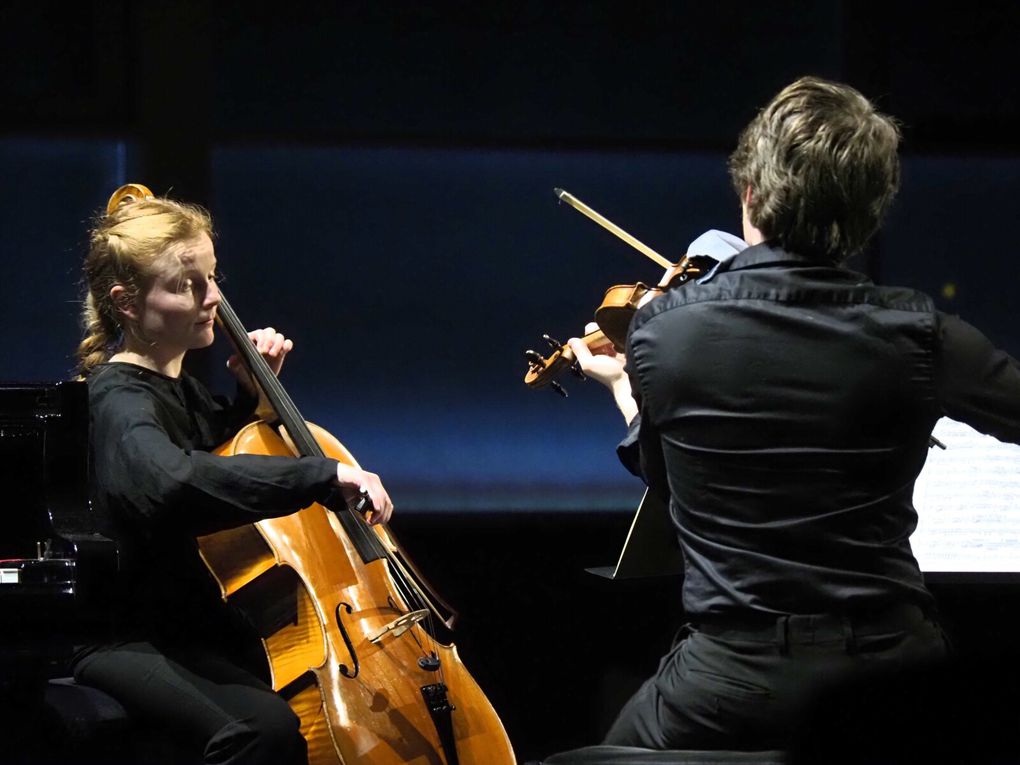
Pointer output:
126, 194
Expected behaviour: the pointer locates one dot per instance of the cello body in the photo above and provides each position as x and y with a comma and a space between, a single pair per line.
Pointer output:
360, 691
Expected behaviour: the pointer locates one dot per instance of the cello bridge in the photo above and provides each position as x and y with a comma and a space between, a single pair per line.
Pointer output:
400, 625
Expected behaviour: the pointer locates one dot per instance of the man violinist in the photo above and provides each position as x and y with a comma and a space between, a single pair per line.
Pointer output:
783, 405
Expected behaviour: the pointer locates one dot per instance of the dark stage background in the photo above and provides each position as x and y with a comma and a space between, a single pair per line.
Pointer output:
381, 176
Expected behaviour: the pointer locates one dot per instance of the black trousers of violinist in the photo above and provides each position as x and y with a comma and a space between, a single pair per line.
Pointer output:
214, 710
754, 686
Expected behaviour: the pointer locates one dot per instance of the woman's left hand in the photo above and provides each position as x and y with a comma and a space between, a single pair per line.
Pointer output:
274, 348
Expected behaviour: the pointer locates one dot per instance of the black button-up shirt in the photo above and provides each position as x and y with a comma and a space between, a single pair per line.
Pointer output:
157, 485
785, 410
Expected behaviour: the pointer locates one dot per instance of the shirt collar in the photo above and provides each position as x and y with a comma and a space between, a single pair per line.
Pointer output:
765, 255
755, 256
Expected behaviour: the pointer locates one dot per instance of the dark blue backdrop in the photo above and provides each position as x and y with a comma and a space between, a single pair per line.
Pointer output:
413, 279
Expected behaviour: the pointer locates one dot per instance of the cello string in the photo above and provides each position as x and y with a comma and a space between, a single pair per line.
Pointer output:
403, 584
430, 634
288, 413
261, 373
410, 591
414, 597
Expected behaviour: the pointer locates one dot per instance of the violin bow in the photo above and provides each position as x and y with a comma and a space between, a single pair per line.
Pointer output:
581, 207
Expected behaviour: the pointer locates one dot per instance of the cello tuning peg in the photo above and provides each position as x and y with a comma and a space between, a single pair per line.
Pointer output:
558, 388
534, 358
555, 344
576, 370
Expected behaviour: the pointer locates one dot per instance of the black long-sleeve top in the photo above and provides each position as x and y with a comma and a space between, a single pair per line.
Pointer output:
156, 486
785, 411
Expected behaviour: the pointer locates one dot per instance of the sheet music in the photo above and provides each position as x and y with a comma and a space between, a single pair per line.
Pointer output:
968, 503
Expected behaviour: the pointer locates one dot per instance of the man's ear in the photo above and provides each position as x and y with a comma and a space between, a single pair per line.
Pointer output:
747, 195
123, 302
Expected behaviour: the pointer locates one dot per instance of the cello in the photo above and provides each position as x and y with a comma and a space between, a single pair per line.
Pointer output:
346, 622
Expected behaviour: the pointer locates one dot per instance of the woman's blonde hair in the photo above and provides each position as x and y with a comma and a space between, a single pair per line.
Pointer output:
822, 167
125, 248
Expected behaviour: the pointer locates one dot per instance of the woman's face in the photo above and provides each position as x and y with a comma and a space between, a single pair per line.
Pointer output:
177, 311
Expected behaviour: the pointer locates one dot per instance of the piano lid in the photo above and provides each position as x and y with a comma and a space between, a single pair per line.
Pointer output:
44, 465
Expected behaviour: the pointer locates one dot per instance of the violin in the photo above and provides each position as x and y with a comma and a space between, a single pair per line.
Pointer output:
614, 314
622, 301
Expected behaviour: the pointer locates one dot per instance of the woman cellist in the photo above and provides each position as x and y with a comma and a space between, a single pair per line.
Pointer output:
179, 659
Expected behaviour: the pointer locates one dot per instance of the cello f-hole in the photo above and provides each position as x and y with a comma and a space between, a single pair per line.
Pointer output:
347, 641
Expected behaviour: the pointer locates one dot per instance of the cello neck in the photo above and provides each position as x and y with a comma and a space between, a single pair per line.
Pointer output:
282, 404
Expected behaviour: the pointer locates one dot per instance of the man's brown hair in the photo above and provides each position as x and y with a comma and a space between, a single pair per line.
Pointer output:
822, 167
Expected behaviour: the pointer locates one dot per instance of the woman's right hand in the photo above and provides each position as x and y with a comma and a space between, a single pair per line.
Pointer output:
354, 482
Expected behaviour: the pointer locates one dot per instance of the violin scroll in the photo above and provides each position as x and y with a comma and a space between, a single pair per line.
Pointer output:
542, 369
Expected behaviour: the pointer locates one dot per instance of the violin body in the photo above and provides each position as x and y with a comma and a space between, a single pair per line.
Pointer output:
618, 307
290, 575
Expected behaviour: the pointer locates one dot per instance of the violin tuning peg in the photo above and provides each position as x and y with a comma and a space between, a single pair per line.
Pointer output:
555, 344
558, 388
534, 358
575, 368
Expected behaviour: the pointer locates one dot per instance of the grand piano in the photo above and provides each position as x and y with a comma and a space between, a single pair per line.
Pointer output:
56, 569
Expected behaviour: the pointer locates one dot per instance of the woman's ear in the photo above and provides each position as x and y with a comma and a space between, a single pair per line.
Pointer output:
123, 301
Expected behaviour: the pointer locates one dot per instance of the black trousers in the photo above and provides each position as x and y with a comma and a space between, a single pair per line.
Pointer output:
216, 711
753, 688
